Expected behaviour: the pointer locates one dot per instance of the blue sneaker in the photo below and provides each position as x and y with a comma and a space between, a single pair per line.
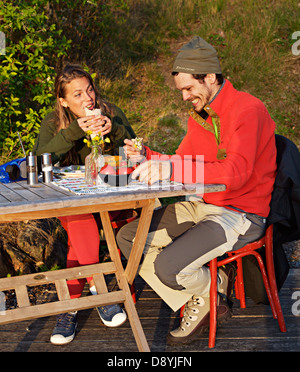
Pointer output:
64, 331
112, 315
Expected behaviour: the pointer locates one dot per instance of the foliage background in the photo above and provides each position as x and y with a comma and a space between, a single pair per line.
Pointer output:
129, 46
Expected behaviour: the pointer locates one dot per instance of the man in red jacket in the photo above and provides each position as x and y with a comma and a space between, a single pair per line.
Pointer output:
235, 134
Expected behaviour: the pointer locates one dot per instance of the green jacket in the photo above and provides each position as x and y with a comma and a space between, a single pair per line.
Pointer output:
58, 144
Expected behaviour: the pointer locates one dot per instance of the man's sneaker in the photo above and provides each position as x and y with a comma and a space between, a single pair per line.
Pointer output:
195, 320
65, 328
226, 276
112, 315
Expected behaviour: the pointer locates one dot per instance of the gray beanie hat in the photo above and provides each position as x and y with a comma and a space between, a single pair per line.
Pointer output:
197, 57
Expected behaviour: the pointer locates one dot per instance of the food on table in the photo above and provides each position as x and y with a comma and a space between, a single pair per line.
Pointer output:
108, 169
125, 170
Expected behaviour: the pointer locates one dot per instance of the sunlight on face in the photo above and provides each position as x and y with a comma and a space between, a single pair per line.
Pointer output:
79, 93
199, 94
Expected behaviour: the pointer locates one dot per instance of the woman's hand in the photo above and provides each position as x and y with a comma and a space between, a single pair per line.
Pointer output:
98, 124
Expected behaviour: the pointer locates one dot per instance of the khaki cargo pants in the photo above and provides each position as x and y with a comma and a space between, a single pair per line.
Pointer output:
182, 238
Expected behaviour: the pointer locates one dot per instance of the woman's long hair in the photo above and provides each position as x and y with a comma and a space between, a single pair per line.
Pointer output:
63, 115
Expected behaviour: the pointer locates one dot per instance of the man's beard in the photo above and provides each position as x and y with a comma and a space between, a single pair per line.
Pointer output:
207, 96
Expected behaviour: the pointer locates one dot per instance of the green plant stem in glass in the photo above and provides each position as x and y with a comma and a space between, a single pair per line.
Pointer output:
95, 160
93, 163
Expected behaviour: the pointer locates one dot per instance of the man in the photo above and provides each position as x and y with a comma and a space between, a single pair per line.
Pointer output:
235, 133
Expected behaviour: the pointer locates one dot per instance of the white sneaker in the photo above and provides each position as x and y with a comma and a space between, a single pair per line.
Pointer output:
112, 315
65, 328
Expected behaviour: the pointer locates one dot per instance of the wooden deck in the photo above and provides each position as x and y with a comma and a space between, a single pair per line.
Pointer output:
250, 329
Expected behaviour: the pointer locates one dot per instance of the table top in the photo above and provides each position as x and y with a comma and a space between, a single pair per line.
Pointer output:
17, 197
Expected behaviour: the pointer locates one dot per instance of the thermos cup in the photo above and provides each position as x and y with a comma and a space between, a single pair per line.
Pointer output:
47, 168
32, 173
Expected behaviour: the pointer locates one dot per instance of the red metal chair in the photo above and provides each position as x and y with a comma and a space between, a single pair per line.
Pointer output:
268, 276
123, 218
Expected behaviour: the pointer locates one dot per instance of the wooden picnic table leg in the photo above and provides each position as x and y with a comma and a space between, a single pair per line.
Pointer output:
133, 317
139, 241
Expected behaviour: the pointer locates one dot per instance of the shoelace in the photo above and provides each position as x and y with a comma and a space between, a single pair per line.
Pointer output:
189, 308
65, 320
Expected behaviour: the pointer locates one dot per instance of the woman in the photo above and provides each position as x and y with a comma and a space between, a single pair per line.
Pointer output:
62, 133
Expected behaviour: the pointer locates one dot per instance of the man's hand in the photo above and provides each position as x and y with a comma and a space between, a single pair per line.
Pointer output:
153, 171
132, 153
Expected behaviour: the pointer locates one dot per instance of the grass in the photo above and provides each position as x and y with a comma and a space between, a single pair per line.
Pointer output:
253, 39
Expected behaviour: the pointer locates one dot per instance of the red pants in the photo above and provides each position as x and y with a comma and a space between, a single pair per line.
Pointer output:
83, 246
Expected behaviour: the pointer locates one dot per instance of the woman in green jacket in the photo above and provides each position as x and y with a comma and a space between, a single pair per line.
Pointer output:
62, 133
63, 130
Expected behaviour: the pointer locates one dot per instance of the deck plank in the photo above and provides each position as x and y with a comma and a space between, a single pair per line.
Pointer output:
250, 329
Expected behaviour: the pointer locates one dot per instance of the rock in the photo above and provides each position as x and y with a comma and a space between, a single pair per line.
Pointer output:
31, 246
55, 253
292, 251
6, 267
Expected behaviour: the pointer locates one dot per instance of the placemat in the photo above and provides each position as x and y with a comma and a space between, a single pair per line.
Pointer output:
80, 187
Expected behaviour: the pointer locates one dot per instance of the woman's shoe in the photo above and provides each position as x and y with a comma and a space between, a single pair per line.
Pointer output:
65, 328
112, 315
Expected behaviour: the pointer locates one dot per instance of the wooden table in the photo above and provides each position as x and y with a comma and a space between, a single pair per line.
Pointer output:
19, 202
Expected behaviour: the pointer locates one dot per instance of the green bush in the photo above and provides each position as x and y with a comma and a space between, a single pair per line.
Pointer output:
26, 71
129, 46
40, 36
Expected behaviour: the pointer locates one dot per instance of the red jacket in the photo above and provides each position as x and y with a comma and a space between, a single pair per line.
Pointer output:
249, 168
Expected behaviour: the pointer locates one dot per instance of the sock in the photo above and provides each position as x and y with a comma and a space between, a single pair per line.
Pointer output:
93, 290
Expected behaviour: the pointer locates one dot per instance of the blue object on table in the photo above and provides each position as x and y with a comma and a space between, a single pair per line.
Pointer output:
14, 170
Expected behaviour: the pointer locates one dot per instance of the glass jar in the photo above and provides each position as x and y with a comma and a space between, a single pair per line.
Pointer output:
93, 163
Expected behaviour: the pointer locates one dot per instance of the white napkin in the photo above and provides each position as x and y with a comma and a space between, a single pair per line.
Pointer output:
92, 112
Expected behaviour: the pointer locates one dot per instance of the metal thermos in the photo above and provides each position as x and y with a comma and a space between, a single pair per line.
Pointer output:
47, 168
32, 173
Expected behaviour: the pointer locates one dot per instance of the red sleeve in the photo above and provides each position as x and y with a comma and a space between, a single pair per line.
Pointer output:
253, 131
185, 168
